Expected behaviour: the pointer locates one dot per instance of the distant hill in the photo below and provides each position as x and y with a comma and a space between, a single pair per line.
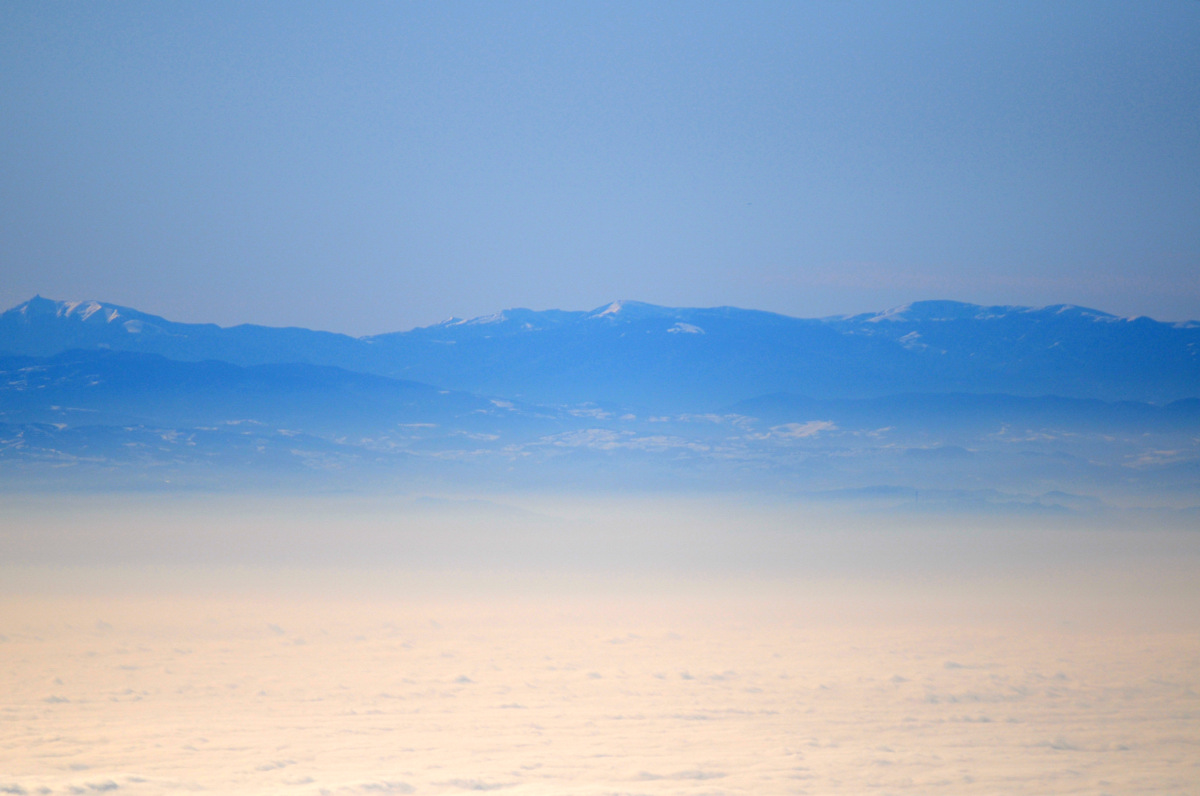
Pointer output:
121, 387
104, 419
670, 359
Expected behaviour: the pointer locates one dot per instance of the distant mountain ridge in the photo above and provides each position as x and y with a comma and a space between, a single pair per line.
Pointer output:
119, 419
1046, 410
44, 327
684, 359
121, 388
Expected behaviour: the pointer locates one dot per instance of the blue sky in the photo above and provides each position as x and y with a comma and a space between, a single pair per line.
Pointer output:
371, 167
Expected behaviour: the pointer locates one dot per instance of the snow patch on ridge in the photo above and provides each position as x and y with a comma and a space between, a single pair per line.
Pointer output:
78, 310
85, 310
495, 317
894, 314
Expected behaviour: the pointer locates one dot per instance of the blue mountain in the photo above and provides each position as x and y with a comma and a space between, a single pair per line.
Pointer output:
126, 388
677, 359
96, 416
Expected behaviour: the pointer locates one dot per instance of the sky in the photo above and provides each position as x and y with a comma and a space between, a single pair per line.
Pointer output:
369, 167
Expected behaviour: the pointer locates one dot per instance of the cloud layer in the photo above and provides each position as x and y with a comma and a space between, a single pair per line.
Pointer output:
708, 691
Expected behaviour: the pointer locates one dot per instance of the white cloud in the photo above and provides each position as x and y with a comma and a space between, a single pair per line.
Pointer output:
791, 431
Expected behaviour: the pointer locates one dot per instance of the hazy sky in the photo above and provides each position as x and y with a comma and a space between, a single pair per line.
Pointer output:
371, 167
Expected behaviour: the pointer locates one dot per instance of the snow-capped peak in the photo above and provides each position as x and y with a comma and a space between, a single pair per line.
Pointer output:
94, 311
86, 309
633, 310
495, 317
893, 314
611, 309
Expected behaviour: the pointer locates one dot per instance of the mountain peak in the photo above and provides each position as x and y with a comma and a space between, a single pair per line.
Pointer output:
95, 311
36, 306
944, 310
627, 310
634, 352
1077, 311
611, 309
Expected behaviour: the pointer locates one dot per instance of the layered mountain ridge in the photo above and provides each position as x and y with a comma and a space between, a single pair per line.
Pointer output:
989, 406
684, 358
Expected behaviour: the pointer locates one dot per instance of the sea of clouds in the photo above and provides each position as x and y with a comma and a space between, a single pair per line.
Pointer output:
588, 646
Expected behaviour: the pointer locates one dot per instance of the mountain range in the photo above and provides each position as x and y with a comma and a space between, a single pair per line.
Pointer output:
673, 359
933, 395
